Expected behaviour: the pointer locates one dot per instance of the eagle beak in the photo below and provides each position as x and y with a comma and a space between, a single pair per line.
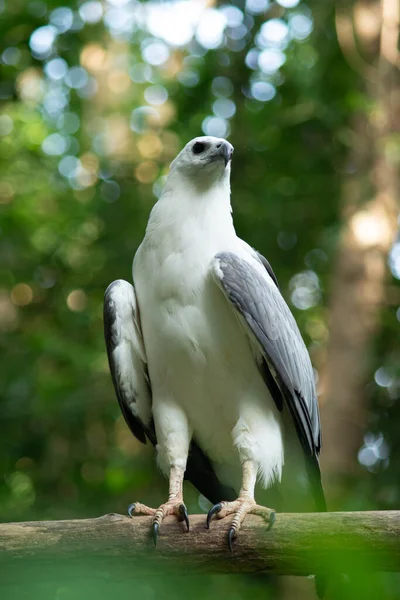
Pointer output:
225, 149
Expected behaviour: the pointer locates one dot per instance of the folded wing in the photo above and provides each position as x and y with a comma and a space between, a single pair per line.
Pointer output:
127, 358
278, 347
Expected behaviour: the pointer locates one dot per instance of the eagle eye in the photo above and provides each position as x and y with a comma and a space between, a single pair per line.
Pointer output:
198, 148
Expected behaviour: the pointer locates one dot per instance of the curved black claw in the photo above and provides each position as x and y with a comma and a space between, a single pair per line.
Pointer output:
213, 511
184, 514
272, 519
231, 537
131, 509
156, 529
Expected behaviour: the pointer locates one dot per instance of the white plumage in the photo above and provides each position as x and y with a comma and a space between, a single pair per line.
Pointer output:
206, 358
200, 362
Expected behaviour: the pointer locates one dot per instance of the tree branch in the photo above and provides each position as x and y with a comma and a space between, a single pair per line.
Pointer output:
120, 547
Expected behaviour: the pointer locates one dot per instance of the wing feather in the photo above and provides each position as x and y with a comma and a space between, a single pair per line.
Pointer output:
274, 333
127, 359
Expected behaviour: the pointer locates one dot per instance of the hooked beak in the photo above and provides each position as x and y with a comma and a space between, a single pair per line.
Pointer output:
224, 149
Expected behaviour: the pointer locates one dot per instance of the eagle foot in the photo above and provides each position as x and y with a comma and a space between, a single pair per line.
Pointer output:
172, 507
240, 508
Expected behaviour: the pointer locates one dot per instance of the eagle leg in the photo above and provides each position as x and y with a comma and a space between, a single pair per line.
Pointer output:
244, 505
174, 505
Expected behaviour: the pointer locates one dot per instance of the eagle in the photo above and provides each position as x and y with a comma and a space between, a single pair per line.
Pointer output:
206, 358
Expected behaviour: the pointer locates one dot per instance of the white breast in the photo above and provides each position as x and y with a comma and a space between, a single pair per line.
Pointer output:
197, 352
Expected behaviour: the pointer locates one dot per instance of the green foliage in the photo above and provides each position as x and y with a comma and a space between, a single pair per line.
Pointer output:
69, 228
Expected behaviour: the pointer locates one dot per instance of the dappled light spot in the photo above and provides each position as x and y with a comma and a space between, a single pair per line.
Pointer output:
55, 100
300, 26
140, 73
271, 60
383, 378
118, 82
119, 2
45, 277
89, 89
233, 15
144, 118
150, 146
93, 57
251, 59
21, 294
76, 78
370, 227
155, 52
77, 300
222, 86
188, 78
305, 290
21, 486
317, 330
210, 30
286, 239
11, 56
68, 165
120, 20
146, 172
273, 33
90, 162
156, 95
374, 452
91, 11
215, 126
42, 40
62, 18
174, 22
394, 260
224, 108
55, 144
8, 313
110, 191
236, 34
69, 122
256, 7
288, 3
6, 124
262, 90
171, 144
29, 85
56, 68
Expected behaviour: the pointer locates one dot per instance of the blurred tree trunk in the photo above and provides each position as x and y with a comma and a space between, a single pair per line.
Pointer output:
369, 211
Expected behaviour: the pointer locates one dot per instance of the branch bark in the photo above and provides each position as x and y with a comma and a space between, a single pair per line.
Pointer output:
117, 547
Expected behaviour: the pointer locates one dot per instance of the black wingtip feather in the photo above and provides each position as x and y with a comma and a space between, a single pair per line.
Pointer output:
109, 316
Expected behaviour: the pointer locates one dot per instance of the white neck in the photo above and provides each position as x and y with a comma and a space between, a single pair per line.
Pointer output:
190, 207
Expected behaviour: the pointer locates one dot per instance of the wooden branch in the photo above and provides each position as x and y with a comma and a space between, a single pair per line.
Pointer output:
114, 546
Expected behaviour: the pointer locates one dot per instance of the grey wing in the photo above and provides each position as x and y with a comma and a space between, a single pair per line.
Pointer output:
261, 259
277, 341
127, 359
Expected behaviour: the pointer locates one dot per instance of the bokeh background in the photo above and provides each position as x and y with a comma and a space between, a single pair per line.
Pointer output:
97, 99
